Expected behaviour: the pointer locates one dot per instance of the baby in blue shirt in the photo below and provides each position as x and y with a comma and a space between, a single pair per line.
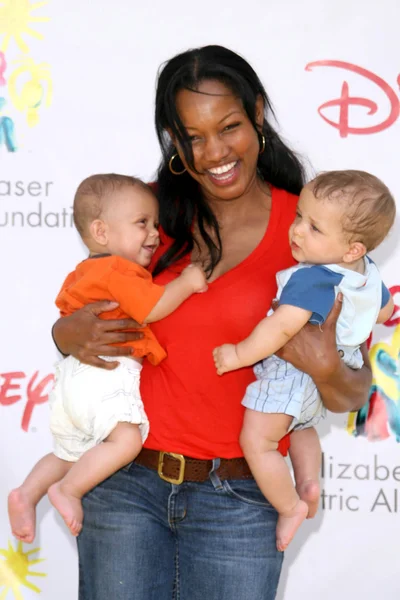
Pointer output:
341, 215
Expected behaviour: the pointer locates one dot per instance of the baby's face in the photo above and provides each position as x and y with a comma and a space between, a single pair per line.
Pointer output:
316, 235
132, 223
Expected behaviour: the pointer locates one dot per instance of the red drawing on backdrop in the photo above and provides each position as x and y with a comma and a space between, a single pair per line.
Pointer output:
12, 390
346, 100
3, 66
395, 318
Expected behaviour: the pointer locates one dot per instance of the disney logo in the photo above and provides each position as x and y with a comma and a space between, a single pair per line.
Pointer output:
346, 100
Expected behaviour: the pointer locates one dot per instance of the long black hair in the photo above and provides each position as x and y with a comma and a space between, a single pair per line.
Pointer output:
180, 196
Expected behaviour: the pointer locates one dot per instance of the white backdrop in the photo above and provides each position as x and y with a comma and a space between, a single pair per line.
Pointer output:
88, 109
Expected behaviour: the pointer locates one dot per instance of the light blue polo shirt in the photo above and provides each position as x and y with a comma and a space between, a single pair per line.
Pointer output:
315, 287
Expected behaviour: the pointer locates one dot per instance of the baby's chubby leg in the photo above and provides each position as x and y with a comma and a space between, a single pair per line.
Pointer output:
118, 449
23, 500
305, 454
259, 439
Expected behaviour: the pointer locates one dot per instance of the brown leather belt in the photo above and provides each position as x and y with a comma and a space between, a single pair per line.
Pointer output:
176, 468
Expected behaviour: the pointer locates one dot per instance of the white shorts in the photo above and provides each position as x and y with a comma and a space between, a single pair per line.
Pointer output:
281, 388
87, 403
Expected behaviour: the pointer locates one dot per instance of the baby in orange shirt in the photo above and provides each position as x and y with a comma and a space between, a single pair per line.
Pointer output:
97, 416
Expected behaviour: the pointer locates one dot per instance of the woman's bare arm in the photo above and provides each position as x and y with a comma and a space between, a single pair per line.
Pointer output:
346, 389
87, 337
313, 350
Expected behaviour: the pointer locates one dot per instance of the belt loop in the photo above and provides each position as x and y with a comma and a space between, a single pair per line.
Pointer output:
215, 480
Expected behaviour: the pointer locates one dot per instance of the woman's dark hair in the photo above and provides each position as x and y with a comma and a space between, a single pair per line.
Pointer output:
180, 196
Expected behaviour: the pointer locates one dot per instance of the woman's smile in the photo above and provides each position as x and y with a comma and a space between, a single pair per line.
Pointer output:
225, 174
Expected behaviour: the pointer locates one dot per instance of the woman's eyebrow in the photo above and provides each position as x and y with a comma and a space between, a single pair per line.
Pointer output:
233, 112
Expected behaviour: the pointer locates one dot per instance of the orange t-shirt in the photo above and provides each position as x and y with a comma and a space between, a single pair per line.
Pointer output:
115, 278
193, 411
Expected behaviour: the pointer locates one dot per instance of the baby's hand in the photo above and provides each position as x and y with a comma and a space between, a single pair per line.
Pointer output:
226, 358
196, 277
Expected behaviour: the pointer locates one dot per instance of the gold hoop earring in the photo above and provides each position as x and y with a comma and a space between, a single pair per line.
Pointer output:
262, 143
171, 168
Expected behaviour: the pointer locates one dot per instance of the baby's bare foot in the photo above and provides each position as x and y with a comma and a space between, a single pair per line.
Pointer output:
288, 524
309, 492
22, 515
69, 507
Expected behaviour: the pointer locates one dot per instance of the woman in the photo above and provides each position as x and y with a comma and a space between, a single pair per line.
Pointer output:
169, 526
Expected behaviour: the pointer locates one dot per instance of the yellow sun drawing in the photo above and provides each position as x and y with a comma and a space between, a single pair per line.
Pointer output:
15, 18
14, 571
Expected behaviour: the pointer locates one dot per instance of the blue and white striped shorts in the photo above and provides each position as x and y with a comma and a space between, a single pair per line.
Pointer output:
281, 388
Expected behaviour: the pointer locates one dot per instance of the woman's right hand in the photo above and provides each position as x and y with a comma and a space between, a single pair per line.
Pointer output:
86, 337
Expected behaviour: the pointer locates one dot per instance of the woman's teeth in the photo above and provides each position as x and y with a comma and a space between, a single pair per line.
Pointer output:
222, 171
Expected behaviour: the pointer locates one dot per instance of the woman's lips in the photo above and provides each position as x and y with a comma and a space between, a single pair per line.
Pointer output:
224, 175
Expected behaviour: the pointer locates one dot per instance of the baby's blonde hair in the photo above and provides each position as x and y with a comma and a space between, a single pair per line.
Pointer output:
369, 207
93, 193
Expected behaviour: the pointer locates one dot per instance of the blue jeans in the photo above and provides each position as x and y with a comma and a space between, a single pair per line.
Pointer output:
146, 539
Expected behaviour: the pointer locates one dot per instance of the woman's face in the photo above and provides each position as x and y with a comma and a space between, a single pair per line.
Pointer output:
224, 142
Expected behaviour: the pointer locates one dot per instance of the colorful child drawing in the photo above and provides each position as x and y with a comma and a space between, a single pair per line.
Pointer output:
30, 96
29, 86
379, 419
7, 129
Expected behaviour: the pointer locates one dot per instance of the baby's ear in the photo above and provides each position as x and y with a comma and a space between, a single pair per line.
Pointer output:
99, 231
356, 251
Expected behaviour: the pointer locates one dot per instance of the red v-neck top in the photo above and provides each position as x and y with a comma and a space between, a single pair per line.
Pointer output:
193, 411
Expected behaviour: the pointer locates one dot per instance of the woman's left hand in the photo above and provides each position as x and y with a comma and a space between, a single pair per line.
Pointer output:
313, 350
